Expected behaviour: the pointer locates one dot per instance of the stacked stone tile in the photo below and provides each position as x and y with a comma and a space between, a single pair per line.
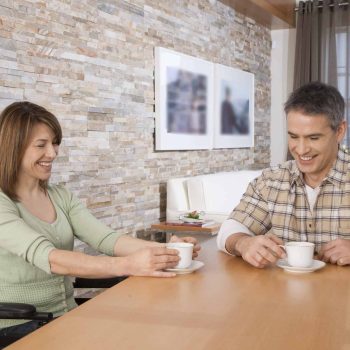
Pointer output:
91, 62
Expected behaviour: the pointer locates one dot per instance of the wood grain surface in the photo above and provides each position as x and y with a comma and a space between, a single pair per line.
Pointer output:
227, 304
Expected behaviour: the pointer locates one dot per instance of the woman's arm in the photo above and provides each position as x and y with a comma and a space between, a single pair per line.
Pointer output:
136, 257
126, 245
148, 261
64, 262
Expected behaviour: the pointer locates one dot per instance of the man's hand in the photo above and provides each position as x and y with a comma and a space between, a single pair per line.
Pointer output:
336, 252
260, 251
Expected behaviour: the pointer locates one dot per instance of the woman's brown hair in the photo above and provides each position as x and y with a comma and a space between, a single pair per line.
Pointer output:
16, 123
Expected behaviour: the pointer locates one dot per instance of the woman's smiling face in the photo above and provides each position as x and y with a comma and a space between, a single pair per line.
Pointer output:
41, 151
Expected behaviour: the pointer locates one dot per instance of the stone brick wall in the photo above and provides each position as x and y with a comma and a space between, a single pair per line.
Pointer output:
91, 62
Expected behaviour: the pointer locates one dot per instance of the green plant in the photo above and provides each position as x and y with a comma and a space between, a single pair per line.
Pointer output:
193, 215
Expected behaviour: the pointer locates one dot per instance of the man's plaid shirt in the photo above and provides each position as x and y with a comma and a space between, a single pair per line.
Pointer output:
277, 201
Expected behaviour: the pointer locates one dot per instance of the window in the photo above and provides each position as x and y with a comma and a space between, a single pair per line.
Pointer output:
343, 72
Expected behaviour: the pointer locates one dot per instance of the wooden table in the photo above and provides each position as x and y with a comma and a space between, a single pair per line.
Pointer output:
181, 229
225, 305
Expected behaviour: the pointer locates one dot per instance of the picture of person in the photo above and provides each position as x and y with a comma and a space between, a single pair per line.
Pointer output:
234, 115
228, 117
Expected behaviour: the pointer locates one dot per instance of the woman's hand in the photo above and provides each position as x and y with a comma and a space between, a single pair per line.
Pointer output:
196, 245
150, 261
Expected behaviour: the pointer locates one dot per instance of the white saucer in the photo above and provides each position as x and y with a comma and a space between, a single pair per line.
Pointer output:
193, 267
316, 265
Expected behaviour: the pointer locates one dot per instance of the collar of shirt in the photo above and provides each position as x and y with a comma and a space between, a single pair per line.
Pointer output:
337, 175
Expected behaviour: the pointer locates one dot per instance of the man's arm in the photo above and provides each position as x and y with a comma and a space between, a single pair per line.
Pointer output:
258, 251
245, 233
227, 228
232, 240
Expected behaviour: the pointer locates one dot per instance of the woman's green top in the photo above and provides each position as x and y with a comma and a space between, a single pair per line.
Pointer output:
25, 244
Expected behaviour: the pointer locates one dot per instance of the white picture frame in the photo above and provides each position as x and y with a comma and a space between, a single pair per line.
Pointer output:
233, 108
184, 101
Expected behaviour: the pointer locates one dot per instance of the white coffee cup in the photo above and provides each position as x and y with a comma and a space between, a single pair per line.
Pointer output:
299, 254
185, 253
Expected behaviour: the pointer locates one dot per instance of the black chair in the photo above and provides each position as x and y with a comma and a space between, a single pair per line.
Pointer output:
9, 311
94, 283
20, 311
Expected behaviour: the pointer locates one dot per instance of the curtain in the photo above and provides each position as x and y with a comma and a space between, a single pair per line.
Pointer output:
323, 46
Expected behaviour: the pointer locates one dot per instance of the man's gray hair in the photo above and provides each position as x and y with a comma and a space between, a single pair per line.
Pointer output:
317, 98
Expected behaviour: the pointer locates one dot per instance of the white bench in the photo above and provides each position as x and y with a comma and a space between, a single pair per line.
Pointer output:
216, 194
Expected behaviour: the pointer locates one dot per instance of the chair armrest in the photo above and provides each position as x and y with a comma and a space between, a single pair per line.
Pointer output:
23, 312
16, 310
97, 282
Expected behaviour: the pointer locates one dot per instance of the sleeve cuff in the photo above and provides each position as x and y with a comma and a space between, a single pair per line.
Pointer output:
38, 255
108, 243
229, 228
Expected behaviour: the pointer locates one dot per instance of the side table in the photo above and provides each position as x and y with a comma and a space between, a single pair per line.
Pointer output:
203, 233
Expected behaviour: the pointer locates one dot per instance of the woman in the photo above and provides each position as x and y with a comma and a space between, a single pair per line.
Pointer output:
38, 224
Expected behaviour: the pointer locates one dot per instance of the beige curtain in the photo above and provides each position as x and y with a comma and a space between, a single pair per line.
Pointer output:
323, 46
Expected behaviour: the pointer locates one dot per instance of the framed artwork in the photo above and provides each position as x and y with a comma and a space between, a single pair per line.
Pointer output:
184, 92
233, 108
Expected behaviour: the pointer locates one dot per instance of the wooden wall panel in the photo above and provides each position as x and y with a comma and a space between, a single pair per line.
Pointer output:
275, 14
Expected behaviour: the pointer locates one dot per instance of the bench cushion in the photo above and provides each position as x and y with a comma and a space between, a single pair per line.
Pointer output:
219, 192
216, 194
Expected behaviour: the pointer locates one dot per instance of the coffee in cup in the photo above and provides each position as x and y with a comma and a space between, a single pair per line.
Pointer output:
299, 254
185, 253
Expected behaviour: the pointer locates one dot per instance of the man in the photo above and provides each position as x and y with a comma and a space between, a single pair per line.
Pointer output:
228, 116
305, 199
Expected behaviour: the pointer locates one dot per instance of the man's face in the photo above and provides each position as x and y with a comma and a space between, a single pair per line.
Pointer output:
313, 144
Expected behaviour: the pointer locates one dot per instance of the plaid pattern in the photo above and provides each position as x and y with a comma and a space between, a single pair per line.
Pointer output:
277, 201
